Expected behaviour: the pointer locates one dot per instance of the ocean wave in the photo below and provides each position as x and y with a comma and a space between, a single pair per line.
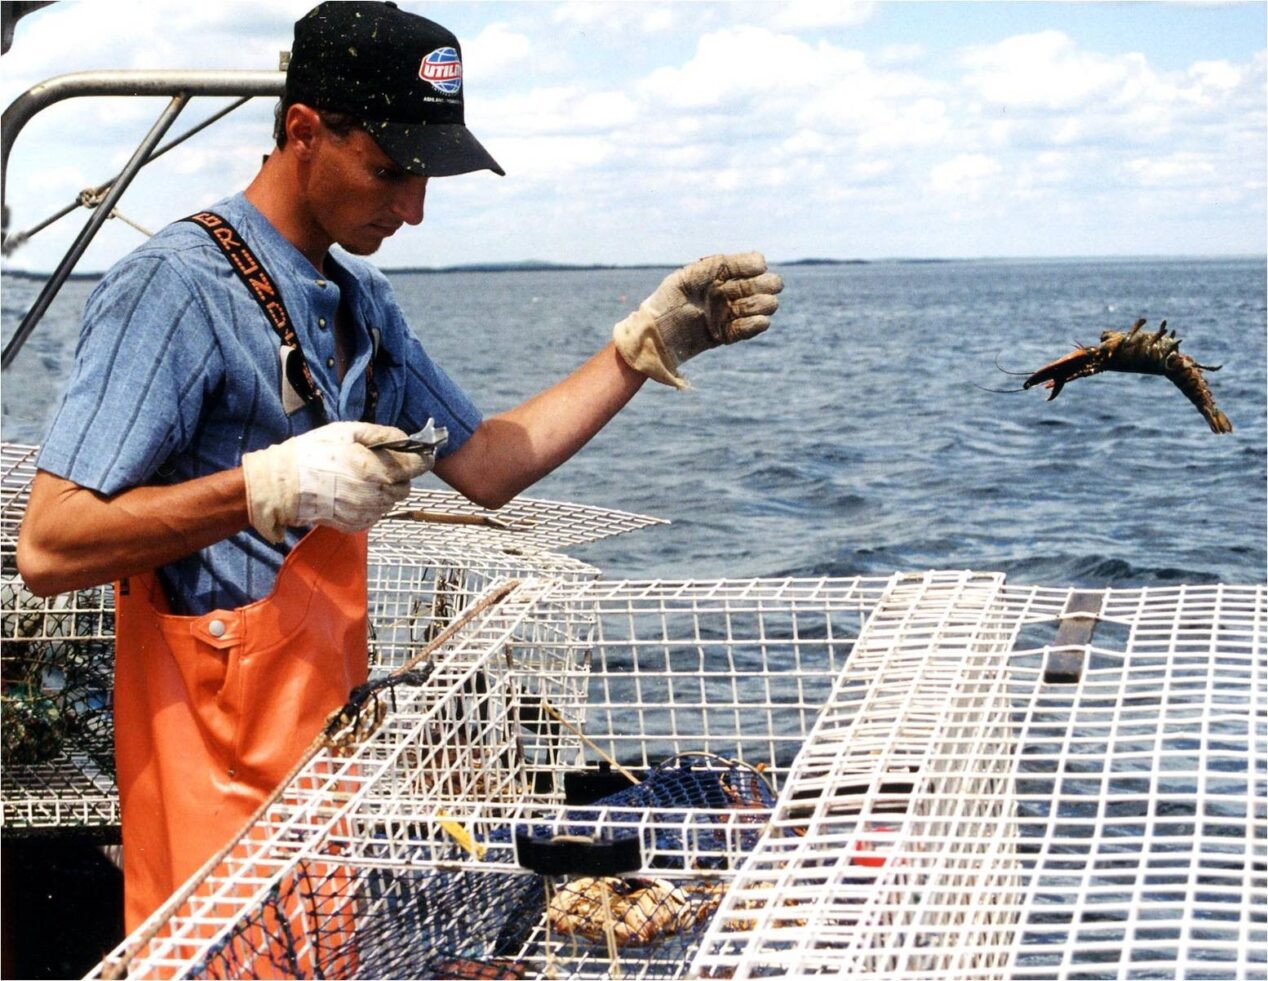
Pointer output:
1086, 571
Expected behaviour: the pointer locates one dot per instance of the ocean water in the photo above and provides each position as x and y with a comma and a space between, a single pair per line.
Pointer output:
855, 436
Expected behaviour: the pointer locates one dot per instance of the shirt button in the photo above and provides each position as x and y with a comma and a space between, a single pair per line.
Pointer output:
321, 283
330, 362
216, 628
321, 321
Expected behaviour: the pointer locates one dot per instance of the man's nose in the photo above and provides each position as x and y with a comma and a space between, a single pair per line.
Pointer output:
408, 202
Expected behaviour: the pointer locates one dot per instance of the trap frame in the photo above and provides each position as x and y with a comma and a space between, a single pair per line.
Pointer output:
945, 797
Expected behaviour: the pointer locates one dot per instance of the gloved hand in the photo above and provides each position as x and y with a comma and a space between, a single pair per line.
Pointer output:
328, 476
720, 299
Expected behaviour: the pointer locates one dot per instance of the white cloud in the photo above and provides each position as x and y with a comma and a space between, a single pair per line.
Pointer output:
730, 65
617, 112
818, 14
1047, 71
227, 34
620, 18
964, 173
901, 54
61, 178
806, 142
922, 123
1174, 170
494, 54
1041, 91
605, 110
558, 110
769, 78
531, 158
867, 171
1216, 76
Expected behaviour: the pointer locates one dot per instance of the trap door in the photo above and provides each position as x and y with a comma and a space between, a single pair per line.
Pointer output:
892, 844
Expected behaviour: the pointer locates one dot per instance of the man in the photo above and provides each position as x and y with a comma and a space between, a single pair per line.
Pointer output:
214, 452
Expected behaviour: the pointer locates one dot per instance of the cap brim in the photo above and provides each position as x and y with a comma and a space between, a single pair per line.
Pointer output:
433, 150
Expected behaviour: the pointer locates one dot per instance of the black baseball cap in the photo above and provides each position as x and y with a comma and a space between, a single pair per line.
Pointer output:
396, 72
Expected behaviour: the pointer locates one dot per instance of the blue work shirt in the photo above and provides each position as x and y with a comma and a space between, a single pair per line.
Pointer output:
178, 373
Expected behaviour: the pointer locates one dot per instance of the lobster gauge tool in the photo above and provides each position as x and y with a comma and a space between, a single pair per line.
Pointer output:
430, 439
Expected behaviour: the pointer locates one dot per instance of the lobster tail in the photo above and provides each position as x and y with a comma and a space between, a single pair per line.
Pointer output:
1187, 376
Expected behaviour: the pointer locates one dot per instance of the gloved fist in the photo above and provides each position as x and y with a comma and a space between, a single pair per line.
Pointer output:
720, 299
328, 476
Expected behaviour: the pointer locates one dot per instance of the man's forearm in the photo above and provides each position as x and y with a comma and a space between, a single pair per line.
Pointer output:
72, 538
514, 450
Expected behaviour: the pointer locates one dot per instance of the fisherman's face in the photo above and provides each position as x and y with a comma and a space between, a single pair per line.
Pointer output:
358, 194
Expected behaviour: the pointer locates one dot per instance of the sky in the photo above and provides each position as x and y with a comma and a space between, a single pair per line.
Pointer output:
658, 132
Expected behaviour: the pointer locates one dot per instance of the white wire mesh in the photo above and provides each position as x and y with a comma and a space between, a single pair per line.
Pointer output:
955, 816
483, 746
941, 809
58, 663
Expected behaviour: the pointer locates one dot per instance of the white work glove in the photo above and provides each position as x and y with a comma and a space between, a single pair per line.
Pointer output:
328, 476
720, 299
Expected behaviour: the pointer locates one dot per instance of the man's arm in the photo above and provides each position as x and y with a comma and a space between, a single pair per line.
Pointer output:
72, 537
512, 451
717, 300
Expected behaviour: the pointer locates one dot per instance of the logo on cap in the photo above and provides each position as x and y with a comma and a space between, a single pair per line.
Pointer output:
442, 70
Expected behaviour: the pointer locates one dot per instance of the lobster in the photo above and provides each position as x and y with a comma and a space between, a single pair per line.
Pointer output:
1142, 353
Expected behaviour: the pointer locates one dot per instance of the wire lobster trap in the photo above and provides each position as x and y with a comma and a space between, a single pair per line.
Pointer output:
437, 553
56, 674
933, 775
426, 565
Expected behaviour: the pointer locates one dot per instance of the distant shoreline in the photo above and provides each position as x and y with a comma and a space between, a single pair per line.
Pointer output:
541, 266
529, 266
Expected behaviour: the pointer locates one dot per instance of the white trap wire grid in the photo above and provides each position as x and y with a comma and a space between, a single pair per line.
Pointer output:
954, 814
936, 807
425, 566
426, 805
57, 658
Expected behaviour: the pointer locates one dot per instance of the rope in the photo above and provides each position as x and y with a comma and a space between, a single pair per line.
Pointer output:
321, 742
609, 927
11, 243
554, 712
128, 221
91, 197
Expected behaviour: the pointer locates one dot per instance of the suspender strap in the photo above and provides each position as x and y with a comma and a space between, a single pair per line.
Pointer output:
265, 292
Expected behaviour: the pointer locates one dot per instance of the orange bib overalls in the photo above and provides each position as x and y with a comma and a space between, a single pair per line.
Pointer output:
212, 711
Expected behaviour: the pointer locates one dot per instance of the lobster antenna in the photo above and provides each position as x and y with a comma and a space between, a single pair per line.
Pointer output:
1007, 372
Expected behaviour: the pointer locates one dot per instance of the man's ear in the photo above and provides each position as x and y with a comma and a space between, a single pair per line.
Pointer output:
302, 128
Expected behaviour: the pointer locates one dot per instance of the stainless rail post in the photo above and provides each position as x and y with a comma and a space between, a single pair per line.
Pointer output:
181, 86
127, 83
16, 240
95, 221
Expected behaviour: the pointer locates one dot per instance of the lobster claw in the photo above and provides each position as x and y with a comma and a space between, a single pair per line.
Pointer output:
1055, 374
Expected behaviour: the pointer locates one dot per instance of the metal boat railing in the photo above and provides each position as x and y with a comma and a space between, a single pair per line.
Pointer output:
178, 86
